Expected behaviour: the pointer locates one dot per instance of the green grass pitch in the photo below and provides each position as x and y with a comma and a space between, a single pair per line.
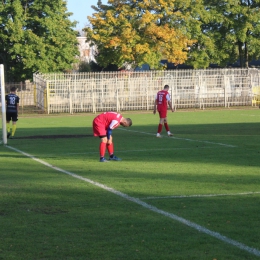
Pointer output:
195, 195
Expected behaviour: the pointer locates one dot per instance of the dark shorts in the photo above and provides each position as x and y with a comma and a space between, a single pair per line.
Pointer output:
11, 116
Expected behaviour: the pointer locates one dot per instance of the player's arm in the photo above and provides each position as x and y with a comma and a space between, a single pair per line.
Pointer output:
114, 124
109, 133
17, 104
155, 104
169, 102
170, 105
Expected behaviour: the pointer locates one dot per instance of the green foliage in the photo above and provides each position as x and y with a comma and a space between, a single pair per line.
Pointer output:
84, 67
94, 67
137, 32
36, 36
227, 30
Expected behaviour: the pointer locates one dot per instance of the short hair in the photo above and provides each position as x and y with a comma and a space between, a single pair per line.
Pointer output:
166, 86
129, 121
13, 89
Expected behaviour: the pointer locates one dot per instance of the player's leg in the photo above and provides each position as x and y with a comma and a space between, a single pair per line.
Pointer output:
160, 125
110, 146
8, 129
13, 129
102, 148
167, 127
14, 125
110, 149
100, 131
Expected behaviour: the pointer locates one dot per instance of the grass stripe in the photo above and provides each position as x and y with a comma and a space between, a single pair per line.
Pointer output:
148, 150
129, 151
179, 138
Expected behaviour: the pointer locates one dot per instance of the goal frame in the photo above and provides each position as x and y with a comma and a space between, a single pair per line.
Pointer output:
2, 82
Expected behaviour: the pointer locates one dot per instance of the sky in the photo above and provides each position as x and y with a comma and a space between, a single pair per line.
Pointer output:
81, 9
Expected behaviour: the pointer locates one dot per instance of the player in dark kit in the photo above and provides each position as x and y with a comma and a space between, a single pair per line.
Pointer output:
12, 108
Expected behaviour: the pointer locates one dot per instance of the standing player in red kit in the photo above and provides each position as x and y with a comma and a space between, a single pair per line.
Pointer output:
103, 125
162, 100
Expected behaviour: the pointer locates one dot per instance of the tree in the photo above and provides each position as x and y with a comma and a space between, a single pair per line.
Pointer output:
227, 31
137, 32
237, 31
191, 19
36, 36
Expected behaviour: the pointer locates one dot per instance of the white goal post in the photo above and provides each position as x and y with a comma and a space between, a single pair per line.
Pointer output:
2, 82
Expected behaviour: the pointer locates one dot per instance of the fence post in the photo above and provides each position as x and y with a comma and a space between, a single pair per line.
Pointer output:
69, 93
225, 92
225, 98
93, 99
147, 94
172, 97
21, 97
73, 94
117, 102
45, 97
34, 94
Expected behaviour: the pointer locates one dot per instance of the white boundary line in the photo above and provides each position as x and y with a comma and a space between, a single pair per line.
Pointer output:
249, 115
186, 222
178, 138
129, 151
200, 196
146, 150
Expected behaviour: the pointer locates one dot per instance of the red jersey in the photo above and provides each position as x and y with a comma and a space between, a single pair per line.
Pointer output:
162, 99
104, 121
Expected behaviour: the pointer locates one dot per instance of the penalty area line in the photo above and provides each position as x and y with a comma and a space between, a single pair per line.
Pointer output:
200, 196
184, 221
179, 138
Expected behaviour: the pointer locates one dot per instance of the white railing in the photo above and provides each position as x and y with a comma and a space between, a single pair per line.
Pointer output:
118, 91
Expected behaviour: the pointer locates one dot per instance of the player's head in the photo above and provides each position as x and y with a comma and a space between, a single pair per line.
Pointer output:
126, 122
13, 89
166, 87
129, 121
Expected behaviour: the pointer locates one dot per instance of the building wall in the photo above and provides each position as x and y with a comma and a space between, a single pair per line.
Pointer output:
87, 52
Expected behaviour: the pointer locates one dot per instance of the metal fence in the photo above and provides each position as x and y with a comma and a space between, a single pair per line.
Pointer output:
25, 90
118, 91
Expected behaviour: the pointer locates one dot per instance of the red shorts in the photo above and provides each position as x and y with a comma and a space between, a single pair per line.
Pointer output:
163, 113
99, 128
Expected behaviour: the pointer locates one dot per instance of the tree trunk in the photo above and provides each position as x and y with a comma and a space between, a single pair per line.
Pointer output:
246, 56
240, 51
